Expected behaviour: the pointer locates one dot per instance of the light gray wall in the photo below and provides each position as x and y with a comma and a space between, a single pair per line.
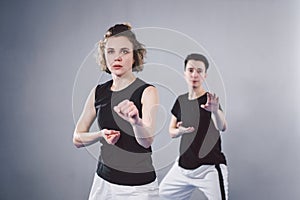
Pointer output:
47, 72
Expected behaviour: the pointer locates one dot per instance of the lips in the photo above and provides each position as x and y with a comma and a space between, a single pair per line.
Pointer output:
117, 66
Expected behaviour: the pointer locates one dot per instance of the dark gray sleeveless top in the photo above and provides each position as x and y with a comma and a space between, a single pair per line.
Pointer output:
126, 162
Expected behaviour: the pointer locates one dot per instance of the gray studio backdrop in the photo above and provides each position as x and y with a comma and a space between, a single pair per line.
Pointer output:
48, 69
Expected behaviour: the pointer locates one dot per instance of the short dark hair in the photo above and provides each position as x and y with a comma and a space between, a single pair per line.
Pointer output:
196, 56
139, 51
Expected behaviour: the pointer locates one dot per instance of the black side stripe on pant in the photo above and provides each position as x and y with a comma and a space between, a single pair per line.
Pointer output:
221, 182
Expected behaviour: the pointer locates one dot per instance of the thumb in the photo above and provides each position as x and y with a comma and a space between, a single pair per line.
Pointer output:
178, 124
116, 109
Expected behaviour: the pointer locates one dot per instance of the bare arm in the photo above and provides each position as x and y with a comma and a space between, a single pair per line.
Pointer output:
144, 127
82, 137
219, 120
145, 132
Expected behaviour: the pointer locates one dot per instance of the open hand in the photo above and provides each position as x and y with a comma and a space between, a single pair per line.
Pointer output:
183, 130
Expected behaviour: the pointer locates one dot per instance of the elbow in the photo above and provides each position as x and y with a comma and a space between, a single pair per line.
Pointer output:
173, 134
224, 127
149, 142
146, 146
146, 142
78, 145
76, 141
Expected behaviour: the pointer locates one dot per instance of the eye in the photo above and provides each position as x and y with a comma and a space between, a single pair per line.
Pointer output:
125, 51
199, 71
110, 51
191, 70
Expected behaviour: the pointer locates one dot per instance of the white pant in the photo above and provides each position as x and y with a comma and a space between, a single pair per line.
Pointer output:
179, 183
103, 190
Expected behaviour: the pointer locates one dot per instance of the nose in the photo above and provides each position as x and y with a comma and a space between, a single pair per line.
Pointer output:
118, 57
195, 73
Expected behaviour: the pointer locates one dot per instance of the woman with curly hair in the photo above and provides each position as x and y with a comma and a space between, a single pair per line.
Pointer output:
125, 109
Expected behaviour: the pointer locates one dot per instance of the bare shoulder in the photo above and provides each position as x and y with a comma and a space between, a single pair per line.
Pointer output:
92, 94
150, 93
150, 90
90, 100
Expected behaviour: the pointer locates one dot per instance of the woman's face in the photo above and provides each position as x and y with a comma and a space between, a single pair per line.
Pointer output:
119, 55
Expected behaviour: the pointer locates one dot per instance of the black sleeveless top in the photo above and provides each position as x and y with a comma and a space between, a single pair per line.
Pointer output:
126, 162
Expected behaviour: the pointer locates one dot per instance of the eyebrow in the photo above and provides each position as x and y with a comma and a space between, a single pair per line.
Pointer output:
120, 48
123, 48
193, 67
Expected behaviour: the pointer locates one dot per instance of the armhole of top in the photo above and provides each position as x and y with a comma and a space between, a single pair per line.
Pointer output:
97, 88
143, 88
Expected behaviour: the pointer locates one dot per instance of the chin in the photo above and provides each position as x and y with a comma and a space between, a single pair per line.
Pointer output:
193, 84
117, 73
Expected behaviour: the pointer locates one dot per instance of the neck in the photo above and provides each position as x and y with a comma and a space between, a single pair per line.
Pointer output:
121, 82
195, 93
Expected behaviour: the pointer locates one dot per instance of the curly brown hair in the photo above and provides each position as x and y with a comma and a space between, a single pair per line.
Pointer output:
139, 50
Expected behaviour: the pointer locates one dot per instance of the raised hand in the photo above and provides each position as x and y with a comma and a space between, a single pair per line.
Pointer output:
212, 103
128, 111
111, 136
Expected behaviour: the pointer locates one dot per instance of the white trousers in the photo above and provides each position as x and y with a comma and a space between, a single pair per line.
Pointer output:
103, 190
180, 183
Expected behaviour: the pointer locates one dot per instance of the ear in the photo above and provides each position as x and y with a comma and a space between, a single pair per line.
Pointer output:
185, 72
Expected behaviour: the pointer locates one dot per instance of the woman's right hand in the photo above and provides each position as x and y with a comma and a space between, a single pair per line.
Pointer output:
111, 136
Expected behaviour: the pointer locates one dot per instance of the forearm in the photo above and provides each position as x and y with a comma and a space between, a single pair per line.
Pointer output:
143, 134
81, 139
177, 128
174, 132
219, 120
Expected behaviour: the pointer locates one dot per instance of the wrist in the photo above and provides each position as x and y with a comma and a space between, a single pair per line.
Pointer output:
215, 112
180, 131
101, 133
138, 122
